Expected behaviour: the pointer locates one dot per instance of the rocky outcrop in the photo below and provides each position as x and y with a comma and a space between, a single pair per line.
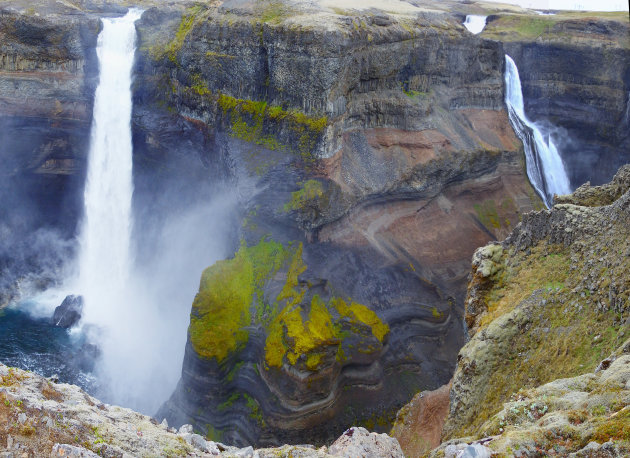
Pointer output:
44, 418
547, 305
583, 416
69, 312
418, 426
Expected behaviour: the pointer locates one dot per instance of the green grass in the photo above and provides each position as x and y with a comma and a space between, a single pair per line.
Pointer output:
518, 27
558, 339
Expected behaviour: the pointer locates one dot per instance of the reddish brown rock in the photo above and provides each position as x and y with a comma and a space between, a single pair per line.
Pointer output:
419, 424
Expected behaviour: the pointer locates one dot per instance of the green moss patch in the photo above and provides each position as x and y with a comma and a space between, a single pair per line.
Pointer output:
221, 309
294, 333
310, 193
232, 298
515, 27
251, 120
567, 306
547, 269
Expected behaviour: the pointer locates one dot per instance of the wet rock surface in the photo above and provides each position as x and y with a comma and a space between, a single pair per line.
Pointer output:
68, 313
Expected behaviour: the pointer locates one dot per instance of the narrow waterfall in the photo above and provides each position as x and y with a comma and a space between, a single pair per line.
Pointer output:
105, 259
475, 24
545, 169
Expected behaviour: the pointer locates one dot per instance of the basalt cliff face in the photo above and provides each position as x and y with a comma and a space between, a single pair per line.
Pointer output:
371, 154
48, 73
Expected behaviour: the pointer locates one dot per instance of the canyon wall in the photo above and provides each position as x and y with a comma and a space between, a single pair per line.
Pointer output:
48, 73
371, 154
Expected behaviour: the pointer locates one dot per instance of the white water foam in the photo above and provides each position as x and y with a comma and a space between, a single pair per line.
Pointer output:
105, 240
545, 168
105, 259
475, 24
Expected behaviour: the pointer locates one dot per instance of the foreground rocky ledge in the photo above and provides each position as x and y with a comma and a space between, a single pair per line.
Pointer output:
39, 417
547, 369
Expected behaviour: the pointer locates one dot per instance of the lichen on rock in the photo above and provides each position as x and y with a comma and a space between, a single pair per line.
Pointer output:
297, 323
550, 302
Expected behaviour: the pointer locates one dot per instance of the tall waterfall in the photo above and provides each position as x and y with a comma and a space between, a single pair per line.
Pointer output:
105, 259
545, 169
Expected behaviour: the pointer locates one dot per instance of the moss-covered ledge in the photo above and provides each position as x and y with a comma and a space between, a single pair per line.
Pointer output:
300, 326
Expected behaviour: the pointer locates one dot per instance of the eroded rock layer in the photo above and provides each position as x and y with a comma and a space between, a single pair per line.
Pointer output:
371, 153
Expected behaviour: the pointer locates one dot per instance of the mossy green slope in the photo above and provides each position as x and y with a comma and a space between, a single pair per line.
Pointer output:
554, 305
222, 308
298, 324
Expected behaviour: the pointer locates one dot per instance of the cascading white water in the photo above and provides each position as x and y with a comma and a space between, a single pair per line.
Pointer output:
105, 259
475, 24
545, 169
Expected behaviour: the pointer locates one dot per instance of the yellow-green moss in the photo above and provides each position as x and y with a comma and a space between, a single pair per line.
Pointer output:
515, 27
185, 26
214, 434
272, 11
199, 86
543, 269
359, 313
487, 214
614, 428
255, 411
297, 267
229, 401
249, 118
569, 330
312, 190
221, 308
292, 336
231, 289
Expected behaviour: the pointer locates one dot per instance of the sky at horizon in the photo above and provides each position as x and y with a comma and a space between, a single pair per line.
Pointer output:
589, 5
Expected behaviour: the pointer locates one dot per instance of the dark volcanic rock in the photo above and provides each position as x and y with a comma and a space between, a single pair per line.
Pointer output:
371, 159
69, 312
48, 73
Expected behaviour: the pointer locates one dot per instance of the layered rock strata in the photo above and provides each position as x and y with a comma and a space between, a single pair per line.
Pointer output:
373, 154
47, 79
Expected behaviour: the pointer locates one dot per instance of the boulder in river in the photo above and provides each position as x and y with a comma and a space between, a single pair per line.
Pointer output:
69, 312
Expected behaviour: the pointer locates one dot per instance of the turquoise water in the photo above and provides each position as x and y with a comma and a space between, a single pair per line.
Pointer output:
34, 344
